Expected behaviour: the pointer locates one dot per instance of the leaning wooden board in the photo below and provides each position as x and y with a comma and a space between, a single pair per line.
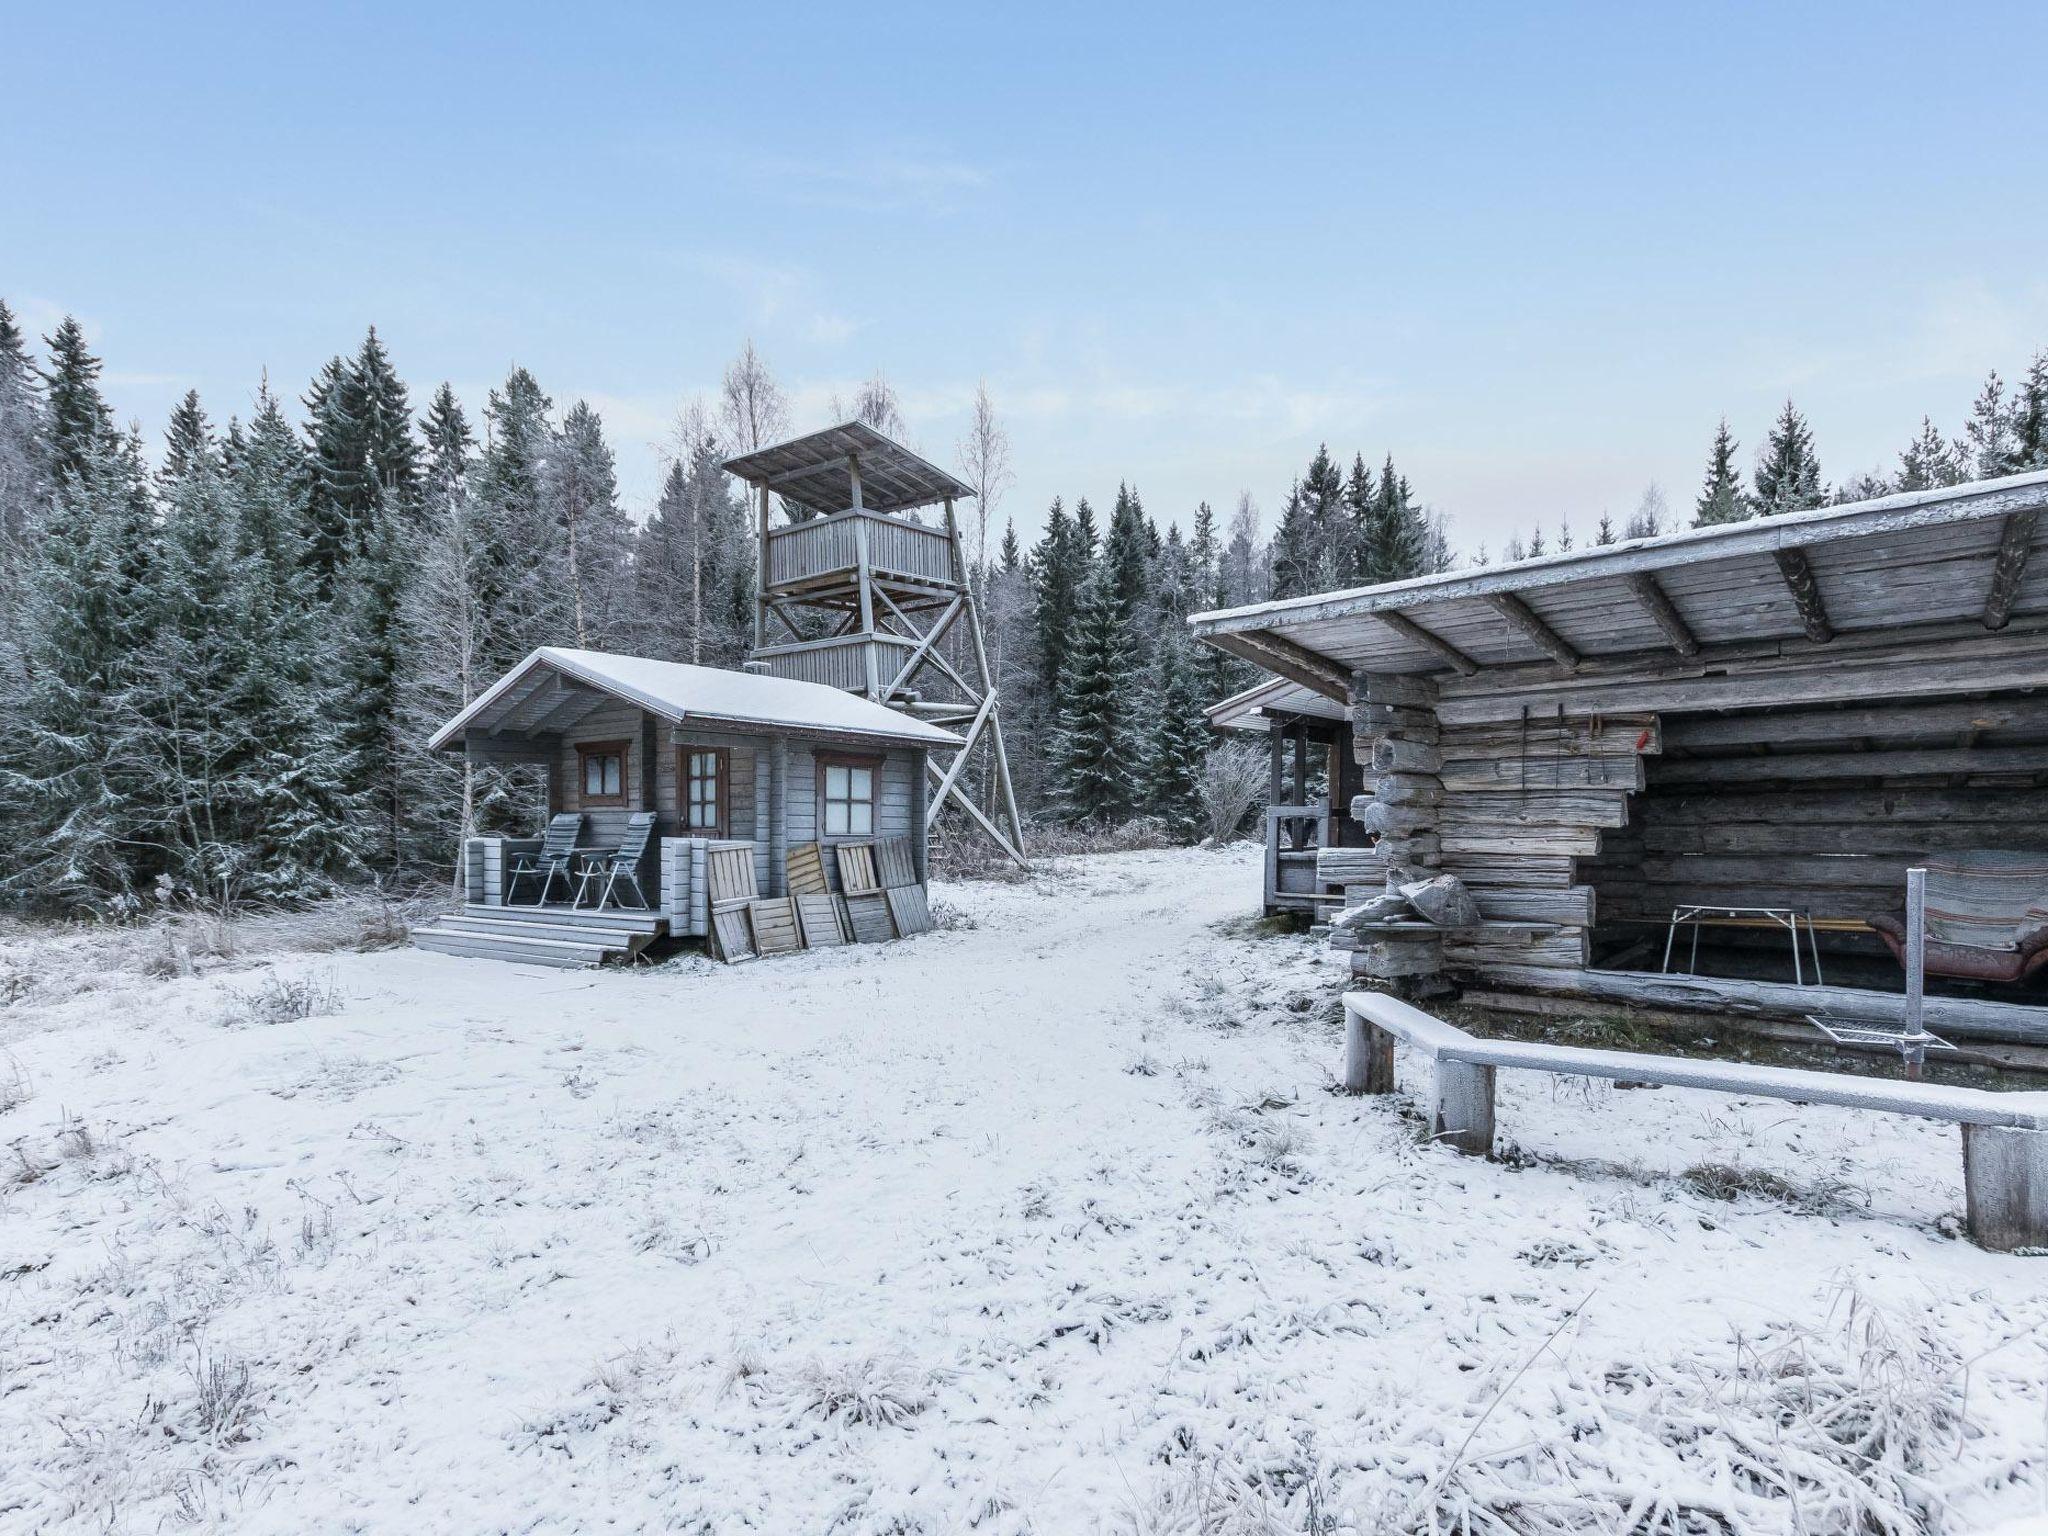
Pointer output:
807, 870
870, 918
909, 910
895, 862
856, 868
775, 930
732, 935
823, 920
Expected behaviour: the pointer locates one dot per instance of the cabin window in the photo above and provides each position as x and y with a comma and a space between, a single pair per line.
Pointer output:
603, 772
706, 780
846, 795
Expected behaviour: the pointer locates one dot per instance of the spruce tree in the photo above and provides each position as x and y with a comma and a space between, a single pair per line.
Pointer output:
1787, 471
24, 487
68, 778
594, 532
1398, 545
299, 784
1092, 749
2030, 417
1177, 734
1294, 546
1059, 568
77, 417
1930, 461
1011, 559
1124, 552
182, 692
1989, 433
1721, 497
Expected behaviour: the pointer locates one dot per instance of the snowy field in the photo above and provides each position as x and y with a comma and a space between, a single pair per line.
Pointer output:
1046, 1222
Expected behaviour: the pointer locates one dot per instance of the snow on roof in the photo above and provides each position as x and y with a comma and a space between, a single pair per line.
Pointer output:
714, 695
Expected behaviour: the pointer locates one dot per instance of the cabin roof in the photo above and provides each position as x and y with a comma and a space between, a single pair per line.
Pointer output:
676, 691
813, 470
1253, 708
1962, 553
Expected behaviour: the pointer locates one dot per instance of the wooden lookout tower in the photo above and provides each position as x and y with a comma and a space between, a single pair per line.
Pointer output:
855, 592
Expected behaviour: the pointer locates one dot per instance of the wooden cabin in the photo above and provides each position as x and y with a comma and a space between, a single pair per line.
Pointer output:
724, 759
1776, 718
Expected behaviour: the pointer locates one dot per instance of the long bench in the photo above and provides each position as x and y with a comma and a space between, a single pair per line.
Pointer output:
2005, 1135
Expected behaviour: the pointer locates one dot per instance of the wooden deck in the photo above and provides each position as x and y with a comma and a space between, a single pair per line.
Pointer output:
553, 935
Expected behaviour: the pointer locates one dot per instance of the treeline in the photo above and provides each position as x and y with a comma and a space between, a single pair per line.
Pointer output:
218, 672
2006, 433
217, 676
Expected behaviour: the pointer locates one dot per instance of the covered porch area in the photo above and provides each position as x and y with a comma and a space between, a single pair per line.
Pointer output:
1731, 735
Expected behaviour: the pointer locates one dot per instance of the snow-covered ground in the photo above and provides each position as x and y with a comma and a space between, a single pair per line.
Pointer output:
1044, 1222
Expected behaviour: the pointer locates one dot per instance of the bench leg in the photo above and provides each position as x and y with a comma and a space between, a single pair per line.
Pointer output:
1464, 1106
1368, 1057
2005, 1187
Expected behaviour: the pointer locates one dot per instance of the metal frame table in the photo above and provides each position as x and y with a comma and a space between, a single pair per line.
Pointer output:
1789, 918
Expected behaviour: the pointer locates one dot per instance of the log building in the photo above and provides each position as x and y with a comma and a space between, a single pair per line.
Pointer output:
1780, 715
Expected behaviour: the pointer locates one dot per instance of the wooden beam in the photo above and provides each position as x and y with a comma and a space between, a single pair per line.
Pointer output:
1853, 765
1656, 602
1295, 663
1805, 589
1941, 717
1436, 645
2008, 567
1527, 623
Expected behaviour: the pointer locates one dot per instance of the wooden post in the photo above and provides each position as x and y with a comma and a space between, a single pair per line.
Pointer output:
778, 818
867, 609
1368, 1057
1914, 1042
1395, 736
853, 473
1464, 1106
2005, 1187
761, 572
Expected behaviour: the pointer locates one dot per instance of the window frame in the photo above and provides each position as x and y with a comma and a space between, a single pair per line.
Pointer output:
872, 762
623, 751
723, 808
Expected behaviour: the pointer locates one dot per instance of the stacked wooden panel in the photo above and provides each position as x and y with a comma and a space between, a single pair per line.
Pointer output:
880, 899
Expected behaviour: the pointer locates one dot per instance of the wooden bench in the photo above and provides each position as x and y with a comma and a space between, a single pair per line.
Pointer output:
2005, 1135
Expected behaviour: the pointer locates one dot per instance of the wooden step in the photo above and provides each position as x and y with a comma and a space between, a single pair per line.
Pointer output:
569, 933
649, 923
494, 946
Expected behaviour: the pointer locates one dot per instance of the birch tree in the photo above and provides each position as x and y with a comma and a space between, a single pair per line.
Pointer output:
985, 465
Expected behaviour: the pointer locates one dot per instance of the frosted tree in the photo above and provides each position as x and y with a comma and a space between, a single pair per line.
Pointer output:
300, 786
522, 573
68, 775
1092, 749
1787, 470
1242, 569
181, 696
581, 489
1721, 498
75, 413
1989, 437
751, 403
2030, 417
1177, 734
24, 485
1931, 461
1652, 515
876, 404
985, 465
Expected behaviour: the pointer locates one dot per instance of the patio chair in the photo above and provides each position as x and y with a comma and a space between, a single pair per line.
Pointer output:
620, 866
555, 856
1987, 916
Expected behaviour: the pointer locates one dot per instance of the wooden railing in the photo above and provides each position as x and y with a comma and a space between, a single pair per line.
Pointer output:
827, 546
838, 662
1290, 869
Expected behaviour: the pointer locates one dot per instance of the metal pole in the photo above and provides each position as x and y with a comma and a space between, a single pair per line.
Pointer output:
1913, 1044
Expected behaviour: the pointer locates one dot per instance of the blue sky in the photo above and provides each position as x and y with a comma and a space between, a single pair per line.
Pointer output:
1534, 252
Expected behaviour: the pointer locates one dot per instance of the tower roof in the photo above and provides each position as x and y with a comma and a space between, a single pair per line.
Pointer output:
815, 469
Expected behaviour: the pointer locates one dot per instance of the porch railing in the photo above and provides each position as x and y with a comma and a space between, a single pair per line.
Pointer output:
828, 546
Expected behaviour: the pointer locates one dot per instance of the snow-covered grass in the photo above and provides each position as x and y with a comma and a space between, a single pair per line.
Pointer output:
1045, 1222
